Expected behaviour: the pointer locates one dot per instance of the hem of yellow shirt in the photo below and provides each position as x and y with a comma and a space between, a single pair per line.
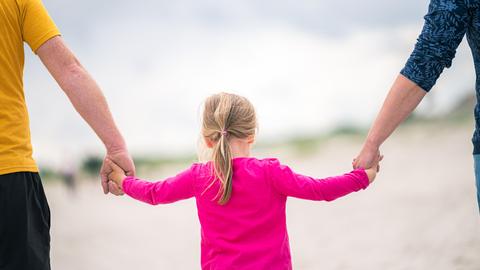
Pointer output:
39, 42
18, 169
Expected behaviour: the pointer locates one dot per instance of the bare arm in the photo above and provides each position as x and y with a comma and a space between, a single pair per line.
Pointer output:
88, 100
445, 25
403, 98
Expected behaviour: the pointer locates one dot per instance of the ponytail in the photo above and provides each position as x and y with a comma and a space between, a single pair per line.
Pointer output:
225, 117
222, 166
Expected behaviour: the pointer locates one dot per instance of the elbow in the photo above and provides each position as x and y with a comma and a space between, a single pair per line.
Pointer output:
425, 80
156, 198
71, 74
157, 201
153, 200
74, 68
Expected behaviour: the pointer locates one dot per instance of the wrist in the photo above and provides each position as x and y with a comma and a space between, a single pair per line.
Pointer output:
125, 177
117, 147
371, 145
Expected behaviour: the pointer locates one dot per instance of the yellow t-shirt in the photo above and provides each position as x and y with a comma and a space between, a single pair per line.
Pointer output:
20, 20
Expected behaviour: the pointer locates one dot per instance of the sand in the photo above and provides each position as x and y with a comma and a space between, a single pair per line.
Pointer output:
421, 213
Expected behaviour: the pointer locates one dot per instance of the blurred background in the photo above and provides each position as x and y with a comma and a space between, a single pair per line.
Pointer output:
317, 73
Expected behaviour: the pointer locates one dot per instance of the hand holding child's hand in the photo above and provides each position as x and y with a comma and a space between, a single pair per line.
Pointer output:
372, 171
117, 174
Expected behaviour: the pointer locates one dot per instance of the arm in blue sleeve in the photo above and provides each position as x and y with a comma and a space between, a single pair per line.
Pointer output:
445, 25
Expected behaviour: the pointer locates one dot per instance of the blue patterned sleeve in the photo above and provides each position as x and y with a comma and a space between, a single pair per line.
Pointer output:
445, 25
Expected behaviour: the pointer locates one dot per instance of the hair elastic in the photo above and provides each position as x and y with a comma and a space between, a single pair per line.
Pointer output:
223, 132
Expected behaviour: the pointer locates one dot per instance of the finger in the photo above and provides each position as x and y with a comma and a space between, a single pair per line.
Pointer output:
104, 179
124, 162
104, 184
355, 163
113, 165
131, 170
358, 165
114, 189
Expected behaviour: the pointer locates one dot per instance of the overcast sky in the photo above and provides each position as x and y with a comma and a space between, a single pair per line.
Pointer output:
307, 66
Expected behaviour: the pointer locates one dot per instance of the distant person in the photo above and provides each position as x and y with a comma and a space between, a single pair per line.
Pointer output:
24, 211
68, 174
240, 199
446, 23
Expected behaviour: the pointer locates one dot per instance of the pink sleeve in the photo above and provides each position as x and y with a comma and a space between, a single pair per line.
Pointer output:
289, 183
170, 190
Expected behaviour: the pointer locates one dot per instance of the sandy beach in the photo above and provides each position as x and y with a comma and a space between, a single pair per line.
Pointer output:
421, 213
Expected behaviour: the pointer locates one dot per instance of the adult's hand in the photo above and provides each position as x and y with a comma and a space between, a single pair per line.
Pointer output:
367, 157
124, 161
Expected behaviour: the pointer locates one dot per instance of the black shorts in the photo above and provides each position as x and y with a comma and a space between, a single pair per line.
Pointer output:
24, 223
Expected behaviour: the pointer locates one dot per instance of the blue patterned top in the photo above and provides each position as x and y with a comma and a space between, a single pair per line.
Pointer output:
446, 22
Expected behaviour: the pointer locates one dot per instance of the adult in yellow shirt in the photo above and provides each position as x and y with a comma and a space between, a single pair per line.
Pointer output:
24, 211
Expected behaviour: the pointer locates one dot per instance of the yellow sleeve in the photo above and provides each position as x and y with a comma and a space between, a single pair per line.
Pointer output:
38, 26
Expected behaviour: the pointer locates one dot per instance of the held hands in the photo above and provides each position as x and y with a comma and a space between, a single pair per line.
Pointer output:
122, 159
374, 169
117, 174
366, 158
369, 159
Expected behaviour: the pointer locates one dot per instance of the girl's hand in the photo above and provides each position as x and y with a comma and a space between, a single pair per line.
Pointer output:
122, 158
372, 171
117, 174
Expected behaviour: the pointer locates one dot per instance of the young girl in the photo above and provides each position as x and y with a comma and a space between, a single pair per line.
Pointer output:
240, 199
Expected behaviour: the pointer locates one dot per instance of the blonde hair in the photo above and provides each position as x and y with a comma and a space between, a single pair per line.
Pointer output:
226, 116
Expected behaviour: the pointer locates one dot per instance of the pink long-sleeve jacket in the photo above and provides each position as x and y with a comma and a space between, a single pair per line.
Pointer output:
249, 232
